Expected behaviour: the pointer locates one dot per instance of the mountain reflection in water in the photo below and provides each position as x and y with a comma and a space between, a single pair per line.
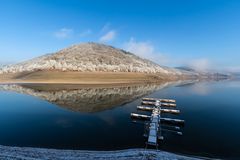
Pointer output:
86, 98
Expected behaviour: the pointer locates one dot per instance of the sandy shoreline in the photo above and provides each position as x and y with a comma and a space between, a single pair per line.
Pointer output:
84, 78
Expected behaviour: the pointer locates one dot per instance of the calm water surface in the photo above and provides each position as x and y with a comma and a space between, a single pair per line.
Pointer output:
99, 118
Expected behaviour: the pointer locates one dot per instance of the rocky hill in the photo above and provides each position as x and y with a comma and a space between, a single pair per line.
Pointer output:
92, 57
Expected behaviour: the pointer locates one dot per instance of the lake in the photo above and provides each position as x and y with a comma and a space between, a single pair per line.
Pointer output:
98, 118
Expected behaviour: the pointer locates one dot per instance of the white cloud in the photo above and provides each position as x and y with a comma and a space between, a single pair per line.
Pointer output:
105, 28
63, 33
234, 69
208, 65
145, 50
109, 36
202, 64
86, 33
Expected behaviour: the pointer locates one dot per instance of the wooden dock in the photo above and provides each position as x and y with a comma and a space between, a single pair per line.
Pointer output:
154, 121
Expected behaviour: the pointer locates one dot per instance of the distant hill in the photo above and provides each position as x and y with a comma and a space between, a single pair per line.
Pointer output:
206, 74
185, 68
92, 57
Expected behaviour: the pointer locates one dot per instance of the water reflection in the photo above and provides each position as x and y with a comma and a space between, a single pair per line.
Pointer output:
87, 99
210, 109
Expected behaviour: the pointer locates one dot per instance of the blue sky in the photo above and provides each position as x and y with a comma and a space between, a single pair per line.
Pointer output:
199, 33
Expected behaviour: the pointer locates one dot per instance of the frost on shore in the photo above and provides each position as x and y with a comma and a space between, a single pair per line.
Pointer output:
22, 153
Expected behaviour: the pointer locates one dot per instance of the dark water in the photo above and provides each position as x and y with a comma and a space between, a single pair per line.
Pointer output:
99, 118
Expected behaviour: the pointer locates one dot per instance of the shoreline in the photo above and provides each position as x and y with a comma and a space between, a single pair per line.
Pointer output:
29, 153
85, 78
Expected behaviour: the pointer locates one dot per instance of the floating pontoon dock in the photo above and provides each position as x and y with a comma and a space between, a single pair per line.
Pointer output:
153, 121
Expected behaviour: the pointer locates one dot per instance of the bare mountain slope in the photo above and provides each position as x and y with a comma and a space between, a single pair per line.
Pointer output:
91, 57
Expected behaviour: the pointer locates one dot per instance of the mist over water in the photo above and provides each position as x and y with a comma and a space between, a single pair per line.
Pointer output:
98, 118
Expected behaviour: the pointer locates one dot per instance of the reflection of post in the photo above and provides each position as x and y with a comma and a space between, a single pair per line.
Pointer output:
153, 127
